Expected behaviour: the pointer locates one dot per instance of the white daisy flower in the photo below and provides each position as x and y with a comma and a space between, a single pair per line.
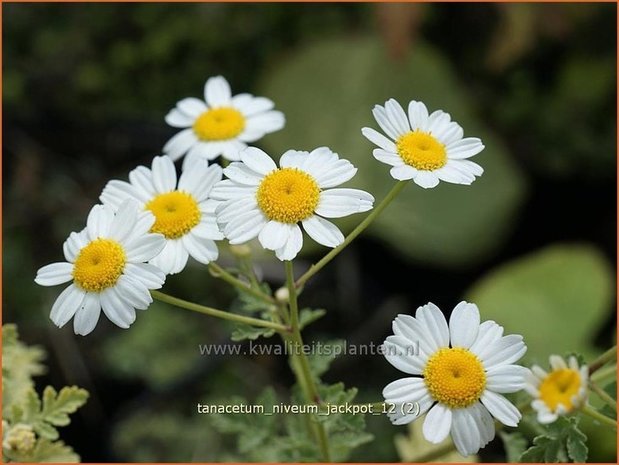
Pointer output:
560, 391
105, 261
459, 372
221, 124
184, 214
260, 199
426, 149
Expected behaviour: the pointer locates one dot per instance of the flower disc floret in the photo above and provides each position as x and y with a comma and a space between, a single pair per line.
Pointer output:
288, 195
176, 213
219, 124
560, 388
99, 265
421, 150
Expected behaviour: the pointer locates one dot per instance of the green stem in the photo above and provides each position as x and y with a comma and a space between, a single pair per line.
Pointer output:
603, 395
218, 313
605, 374
303, 372
609, 355
219, 272
358, 230
597, 416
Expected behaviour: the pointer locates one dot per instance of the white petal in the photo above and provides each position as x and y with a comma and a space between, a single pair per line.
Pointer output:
201, 249
557, 362
217, 92
202, 151
438, 123
124, 220
116, 192
180, 143
385, 124
322, 231
118, 311
464, 432
244, 227
466, 167
274, 235
250, 105
141, 179
377, 138
454, 174
208, 228
437, 424
74, 243
464, 148
191, 106
87, 315
334, 174
55, 273
267, 122
390, 158
164, 174
66, 305
336, 203
417, 115
145, 220
134, 291
412, 330
99, 221
173, 258
431, 317
257, 160
293, 245
539, 372
484, 422
506, 378
489, 332
403, 172
450, 134
402, 354
229, 190
231, 149
397, 116
426, 179
464, 325
200, 180
293, 159
242, 174
178, 119
405, 390
506, 350
152, 276
321, 161
229, 210
406, 413
143, 248
500, 408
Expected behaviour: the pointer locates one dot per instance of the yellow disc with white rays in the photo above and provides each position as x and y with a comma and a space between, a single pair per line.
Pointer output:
421, 150
559, 387
99, 265
455, 377
288, 195
176, 213
219, 124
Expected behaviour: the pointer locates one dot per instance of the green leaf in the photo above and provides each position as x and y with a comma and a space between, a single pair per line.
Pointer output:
515, 444
53, 452
348, 76
567, 289
308, 316
243, 332
562, 440
320, 360
58, 406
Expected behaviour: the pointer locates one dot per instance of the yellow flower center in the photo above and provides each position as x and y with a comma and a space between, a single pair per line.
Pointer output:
99, 265
455, 377
421, 150
176, 213
559, 387
219, 124
288, 195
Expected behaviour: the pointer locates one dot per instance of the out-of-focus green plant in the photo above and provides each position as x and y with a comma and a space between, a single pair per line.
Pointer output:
29, 422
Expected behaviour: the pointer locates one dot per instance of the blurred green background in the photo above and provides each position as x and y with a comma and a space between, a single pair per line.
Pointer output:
85, 90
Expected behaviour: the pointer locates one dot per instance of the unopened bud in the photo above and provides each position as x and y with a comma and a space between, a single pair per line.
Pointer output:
20, 438
240, 251
282, 295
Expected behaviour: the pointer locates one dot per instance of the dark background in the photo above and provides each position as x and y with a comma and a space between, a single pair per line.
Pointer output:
85, 90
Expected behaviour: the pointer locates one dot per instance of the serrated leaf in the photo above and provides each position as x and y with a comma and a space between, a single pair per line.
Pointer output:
245, 332
58, 406
562, 440
54, 452
308, 316
576, 447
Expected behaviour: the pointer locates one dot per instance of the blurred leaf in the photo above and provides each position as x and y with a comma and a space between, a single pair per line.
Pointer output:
566, 290
308, 316
562, 440
242, 332
320, 360
413, 447
515, 444
327, 91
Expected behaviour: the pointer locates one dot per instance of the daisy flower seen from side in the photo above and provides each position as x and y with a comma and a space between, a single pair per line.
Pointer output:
222, 124
559, 391
424, 148
261, 200
460, 372
183, 213
105, 261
